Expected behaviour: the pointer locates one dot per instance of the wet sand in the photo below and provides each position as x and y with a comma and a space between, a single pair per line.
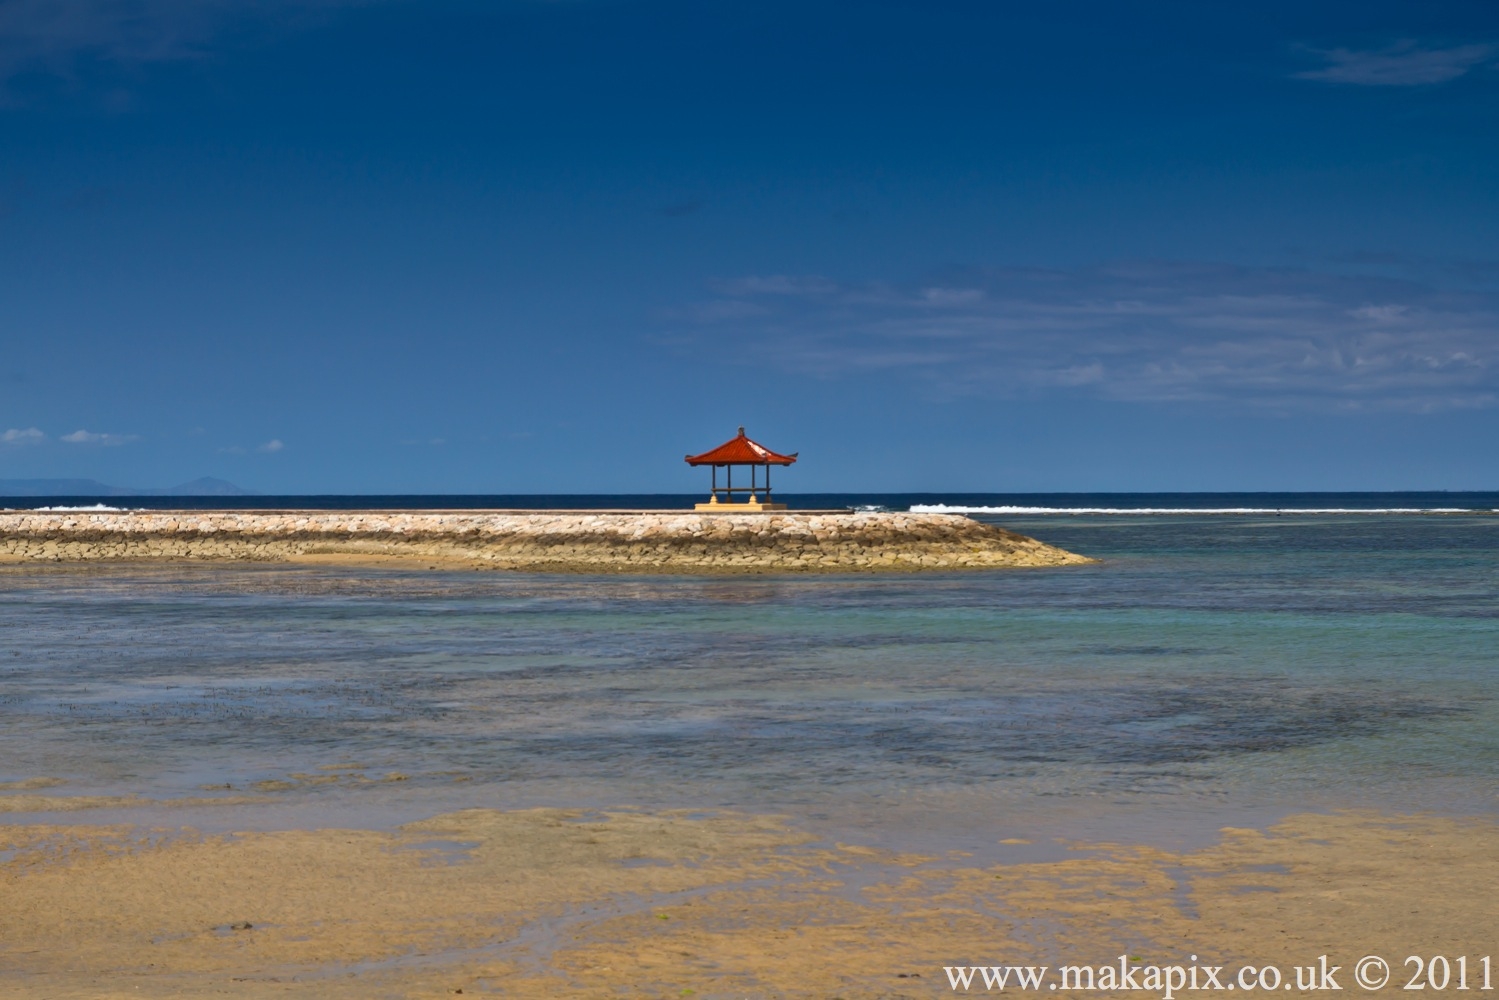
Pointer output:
553, 902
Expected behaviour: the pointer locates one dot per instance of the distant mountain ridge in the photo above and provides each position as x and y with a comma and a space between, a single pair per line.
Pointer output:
205, 486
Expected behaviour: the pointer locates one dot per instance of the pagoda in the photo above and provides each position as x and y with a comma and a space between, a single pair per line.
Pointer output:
740, 450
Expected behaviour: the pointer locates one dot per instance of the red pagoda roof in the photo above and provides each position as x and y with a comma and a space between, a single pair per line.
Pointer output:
741, 451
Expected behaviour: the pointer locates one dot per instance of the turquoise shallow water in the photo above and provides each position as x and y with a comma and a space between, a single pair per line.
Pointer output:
1210, 668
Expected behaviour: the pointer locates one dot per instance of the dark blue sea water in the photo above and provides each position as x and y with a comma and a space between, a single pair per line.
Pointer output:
1209, 668
1487, 502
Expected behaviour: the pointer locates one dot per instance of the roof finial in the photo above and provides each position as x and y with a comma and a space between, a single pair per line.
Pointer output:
741, 432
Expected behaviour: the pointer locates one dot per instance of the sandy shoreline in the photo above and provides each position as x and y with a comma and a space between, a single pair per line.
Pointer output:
537, 541
554, 902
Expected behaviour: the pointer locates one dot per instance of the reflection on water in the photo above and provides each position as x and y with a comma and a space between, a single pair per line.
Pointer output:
1206, 661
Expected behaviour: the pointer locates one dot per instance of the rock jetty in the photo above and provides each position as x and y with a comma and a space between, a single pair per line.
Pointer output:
573, 541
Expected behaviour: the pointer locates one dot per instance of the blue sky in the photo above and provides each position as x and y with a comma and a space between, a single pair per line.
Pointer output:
386, 246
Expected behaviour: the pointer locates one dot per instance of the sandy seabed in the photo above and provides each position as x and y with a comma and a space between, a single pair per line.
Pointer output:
562, 903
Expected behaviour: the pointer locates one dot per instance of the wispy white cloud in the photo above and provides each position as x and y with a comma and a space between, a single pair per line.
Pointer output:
1404, 64
1145, 331
269, 448
776, 284
29, 435
50, 36
89, 437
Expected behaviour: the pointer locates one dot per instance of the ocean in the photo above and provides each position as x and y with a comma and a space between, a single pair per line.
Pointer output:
1211, 669
1435, 501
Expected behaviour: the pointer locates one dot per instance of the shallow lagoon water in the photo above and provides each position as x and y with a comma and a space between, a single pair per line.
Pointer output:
1211, 669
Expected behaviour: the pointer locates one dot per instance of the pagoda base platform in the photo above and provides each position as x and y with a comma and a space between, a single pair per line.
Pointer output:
749, 507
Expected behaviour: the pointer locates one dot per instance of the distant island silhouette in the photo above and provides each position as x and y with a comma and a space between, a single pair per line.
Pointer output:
206, 486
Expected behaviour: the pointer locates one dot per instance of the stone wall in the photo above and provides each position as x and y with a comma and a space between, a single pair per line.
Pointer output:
538, 541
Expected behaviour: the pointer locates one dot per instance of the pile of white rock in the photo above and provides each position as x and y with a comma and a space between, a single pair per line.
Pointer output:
656, 541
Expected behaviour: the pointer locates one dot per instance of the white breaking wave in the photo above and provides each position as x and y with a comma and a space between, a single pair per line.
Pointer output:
97, 506
942, 508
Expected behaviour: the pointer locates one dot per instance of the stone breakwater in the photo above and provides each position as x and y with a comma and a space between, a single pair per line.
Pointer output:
536, 541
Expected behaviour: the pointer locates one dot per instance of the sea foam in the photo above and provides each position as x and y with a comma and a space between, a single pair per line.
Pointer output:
942, 508
97, 506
